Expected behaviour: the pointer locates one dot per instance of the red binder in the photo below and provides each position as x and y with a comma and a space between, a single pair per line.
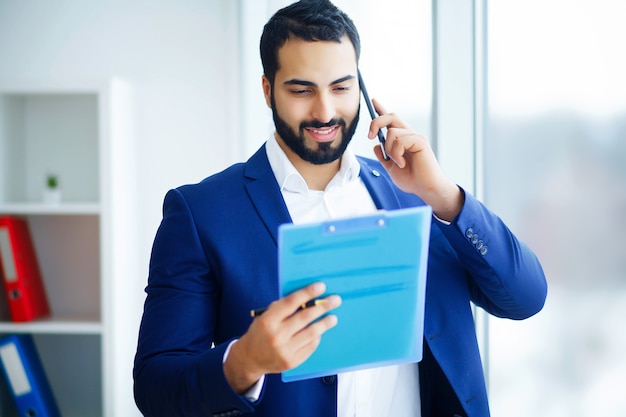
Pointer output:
20, 271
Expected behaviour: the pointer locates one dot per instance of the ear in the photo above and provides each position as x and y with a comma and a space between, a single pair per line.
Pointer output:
267, 91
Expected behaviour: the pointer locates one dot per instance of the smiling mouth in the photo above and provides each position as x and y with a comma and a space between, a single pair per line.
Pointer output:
325, 134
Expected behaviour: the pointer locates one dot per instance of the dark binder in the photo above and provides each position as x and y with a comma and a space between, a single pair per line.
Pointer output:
377, 264
26, 377
20, 271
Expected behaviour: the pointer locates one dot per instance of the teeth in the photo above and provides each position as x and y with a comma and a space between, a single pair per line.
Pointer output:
322, 132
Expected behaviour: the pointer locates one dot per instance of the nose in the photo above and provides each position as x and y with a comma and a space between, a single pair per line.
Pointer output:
323, 108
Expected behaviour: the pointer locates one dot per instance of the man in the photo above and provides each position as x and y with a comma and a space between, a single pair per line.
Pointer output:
215, 255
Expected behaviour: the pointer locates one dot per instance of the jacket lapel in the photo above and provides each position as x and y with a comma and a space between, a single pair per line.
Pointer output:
265, 194
379, 185
267, 199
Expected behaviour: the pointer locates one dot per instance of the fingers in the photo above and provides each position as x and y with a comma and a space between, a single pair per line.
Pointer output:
399, 145
413, 165
300, 319
378, 107
288, 305
384, 120
307, 339
401, 139
298, 298
286, 334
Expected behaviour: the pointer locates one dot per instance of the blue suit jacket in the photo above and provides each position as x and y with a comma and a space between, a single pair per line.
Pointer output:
215, 257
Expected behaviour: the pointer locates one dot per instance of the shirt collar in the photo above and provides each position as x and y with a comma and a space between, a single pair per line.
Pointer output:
288, 177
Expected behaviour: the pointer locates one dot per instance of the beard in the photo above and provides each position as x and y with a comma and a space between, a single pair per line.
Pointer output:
325, 152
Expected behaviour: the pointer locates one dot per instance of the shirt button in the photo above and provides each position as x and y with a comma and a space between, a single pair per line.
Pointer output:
330, 379
375, 173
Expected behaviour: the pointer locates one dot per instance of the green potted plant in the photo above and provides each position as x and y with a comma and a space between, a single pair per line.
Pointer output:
52, 191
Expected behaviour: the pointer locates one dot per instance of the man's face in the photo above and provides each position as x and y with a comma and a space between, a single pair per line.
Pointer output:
315, 99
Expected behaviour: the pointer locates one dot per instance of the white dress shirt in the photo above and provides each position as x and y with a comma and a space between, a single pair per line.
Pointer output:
378, 392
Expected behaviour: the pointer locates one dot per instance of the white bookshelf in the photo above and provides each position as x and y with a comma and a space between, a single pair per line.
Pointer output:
47, 209
55, 325
86, 245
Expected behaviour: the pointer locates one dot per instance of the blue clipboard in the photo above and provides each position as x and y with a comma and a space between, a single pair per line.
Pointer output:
377, 264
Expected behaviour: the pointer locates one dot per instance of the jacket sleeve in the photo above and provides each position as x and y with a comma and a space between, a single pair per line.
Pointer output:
177, 370
506, 278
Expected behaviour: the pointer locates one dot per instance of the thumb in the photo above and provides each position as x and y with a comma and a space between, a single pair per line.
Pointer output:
379, 155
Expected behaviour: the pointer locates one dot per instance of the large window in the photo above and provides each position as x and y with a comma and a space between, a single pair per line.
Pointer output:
555, 170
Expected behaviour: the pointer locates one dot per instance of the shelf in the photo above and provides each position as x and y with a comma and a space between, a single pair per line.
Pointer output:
50, 209
54, 325
86, 244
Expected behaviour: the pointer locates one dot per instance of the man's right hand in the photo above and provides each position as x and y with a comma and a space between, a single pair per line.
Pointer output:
280, 339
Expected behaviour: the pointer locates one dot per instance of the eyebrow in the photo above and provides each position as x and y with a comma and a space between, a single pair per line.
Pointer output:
296, 81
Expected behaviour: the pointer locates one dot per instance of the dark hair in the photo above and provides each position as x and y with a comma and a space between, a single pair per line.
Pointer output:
310, 20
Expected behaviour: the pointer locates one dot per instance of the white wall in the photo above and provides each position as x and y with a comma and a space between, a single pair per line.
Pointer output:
180, 56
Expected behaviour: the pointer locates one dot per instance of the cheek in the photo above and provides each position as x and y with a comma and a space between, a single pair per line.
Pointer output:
349, 105
292, 111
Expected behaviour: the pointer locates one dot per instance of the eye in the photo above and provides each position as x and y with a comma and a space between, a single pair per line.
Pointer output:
300, 91
342, 88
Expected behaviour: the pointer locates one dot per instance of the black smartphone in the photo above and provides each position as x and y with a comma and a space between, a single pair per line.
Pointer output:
370, 108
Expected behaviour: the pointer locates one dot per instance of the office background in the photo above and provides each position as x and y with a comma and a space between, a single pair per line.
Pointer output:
525, 102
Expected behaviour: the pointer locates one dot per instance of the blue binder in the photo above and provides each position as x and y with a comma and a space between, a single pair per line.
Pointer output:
26, 377
377, 264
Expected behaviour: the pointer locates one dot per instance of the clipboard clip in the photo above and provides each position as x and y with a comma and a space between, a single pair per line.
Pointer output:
356, 224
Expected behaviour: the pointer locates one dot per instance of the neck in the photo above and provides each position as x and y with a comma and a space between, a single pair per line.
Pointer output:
316, 177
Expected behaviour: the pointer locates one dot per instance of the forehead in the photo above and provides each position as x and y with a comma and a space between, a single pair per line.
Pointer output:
317, 61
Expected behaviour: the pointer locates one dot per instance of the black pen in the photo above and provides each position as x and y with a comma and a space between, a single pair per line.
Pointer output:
370, 107
257, 312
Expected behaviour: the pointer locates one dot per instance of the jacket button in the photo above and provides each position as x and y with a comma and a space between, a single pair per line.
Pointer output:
483, 250
469, 232
330, 379
474, 239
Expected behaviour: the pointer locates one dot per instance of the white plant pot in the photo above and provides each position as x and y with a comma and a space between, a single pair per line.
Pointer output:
52, 196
